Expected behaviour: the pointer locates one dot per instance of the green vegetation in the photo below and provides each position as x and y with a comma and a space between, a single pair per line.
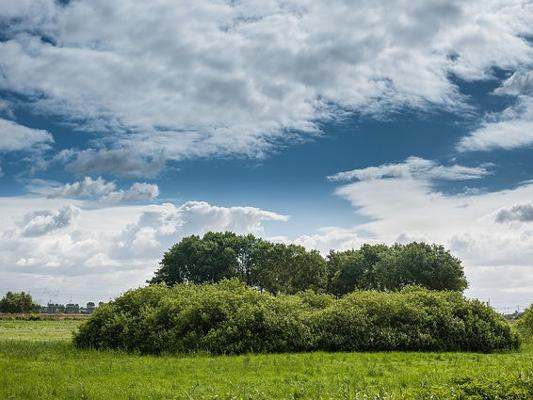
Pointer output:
17, 303
40, 368
230, 317
160, 342
38, 330
281, 268
525, 323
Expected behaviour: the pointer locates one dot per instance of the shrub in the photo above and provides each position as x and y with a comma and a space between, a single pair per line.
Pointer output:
525, 323
230, 317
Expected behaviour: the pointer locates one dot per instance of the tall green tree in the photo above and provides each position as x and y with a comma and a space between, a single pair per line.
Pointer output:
384, 268
276, 267
430, 266
354, 269
17, 303
289, 268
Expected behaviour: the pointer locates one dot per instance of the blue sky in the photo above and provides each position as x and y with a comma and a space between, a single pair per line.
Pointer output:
123, 128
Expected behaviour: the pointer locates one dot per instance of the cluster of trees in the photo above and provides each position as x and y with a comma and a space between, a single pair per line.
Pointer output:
289, 268
231, 317
17, 303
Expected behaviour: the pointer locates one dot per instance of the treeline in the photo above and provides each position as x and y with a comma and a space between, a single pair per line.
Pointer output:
288, 268
231, 317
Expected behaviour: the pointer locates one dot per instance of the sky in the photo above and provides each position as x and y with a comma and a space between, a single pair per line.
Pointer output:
125, 126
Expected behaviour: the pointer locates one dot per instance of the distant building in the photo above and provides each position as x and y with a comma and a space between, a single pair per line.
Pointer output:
53, 308
72, 308
90, 307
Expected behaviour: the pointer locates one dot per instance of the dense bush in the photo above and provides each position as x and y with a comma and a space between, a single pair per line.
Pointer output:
288, 268
230, 317
525, 323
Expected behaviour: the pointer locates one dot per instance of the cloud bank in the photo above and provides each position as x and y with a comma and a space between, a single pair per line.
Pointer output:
237, 78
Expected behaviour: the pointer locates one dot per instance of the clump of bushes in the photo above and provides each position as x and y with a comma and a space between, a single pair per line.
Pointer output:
525, 323
230, 317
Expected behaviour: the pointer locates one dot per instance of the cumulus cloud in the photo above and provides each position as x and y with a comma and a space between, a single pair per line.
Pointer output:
88, 187
137, 191
99, 189
520, 213
412, 167
14, 137
331, 238
159, 226
239, 77
41, 222
105, 249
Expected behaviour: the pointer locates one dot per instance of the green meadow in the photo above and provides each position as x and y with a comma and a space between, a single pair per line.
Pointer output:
38, 361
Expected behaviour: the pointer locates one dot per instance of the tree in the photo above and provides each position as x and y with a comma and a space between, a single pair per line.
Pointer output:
17, 303
354, 269
384, 268
290, 269
282, 268
194, 259
276, 267
430, 266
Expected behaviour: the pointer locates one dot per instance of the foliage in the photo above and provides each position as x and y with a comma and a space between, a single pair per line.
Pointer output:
282, 268
384, 268
518, 387
230, 317
525, 323
17, 303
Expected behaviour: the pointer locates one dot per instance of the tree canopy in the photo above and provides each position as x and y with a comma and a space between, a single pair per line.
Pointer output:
17, 303
290, 268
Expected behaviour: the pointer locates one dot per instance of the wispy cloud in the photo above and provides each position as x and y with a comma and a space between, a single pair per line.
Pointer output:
413, 167
96, 189
15, 137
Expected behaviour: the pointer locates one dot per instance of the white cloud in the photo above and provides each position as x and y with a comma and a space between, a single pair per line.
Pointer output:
14, 137
513, 127
99, 189
102, 250
88, 187
520, 83
159, 226
221, 77
412, 167
137, 191
332, 238
41, 222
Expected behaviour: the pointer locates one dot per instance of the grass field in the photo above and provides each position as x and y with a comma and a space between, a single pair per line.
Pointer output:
37, 361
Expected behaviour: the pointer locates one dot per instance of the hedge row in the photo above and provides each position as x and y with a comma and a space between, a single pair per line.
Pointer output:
230, 317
